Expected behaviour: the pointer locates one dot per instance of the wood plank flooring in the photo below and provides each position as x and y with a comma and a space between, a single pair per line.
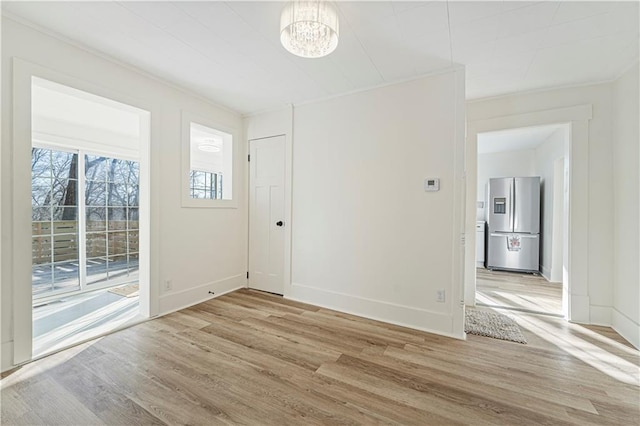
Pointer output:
257, 359
512, 290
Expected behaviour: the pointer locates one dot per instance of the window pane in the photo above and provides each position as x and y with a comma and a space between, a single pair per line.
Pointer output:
117, 243
134, 172
132, 238
40, 163
117, 219
64, 192
65, 227
134, 195
42, 278
133, 218
39, 214
41, 250
65, 247
64, 213
117, 194
117, 266
95, 193
96, 219
133, 265
65, 276
40, 228
96, 244
117, 170
96, 270
95, 168
64, 165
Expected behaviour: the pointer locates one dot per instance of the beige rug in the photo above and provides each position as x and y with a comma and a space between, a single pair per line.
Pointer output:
492, 324
129, 290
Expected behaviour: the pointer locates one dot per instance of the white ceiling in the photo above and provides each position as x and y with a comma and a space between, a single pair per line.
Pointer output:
230, 51
515, 139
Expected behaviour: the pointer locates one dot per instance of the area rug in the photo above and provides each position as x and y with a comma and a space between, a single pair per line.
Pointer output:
492, 324
130, 290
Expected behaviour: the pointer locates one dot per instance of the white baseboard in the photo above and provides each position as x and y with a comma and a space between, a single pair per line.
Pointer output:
579, 308
626, 327
545, 272
405, 316
171, 302
600, 315
6, 356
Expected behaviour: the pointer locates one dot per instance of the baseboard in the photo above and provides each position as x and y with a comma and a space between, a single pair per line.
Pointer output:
545, 272
600, 315
405, 316
6, 356
626, 327
579, 309
171, 302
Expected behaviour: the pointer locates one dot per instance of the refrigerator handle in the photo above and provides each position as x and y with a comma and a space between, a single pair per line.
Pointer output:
512, 214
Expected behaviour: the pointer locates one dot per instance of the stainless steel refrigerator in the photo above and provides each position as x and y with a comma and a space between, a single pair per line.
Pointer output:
513, 240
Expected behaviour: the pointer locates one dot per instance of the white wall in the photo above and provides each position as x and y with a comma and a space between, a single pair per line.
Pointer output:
502, 164
199, 249
367, 239
626, 218
545, 156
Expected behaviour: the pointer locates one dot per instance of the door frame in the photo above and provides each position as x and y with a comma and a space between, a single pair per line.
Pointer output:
576, 118
20, 273
287, 196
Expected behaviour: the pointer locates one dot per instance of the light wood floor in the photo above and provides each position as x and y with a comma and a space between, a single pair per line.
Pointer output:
519, 291
257, 359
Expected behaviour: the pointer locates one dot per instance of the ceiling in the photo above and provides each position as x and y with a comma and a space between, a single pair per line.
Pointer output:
515, 139
230, 51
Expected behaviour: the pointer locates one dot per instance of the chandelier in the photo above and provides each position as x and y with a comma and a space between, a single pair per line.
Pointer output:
309, 28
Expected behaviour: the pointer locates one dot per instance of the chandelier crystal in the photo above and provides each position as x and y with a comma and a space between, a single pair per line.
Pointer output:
309, 29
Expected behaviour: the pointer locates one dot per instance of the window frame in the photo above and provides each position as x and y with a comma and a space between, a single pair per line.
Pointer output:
188, 202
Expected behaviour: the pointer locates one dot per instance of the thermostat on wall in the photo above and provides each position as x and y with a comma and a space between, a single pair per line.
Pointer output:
432, 184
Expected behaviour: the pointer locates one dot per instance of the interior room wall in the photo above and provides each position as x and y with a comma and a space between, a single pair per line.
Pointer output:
367, 238
626, 207
545, 156
197, 249
502, 164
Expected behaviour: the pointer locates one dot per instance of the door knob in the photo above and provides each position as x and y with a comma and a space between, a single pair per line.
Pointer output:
279, 223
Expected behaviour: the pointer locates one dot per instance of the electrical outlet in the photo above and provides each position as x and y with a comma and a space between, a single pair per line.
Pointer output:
168, 285
440, 295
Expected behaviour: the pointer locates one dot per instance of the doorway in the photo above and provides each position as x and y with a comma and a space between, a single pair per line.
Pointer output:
267, 222
87, 196
531, 162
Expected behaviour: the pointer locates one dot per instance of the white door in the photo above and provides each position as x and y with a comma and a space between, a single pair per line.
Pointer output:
266, 214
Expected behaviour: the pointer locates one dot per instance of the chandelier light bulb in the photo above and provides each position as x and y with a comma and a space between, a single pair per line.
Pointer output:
309, 29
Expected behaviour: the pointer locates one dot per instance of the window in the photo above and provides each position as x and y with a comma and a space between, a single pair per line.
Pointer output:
205, 185
207, 165
72, 252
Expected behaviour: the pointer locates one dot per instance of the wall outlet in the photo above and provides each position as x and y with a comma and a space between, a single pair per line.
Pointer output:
440, 295
168, 285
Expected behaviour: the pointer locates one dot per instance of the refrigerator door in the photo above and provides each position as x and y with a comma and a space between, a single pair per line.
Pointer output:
500, 204
513, 251
526, 203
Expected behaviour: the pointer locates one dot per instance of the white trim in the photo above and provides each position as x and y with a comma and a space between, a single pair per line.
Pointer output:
185, 136
23, 71
577, 119
174, 301
6, 356
545, 89
626, 327
600, 315
545, 272
441, 71
405, 316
